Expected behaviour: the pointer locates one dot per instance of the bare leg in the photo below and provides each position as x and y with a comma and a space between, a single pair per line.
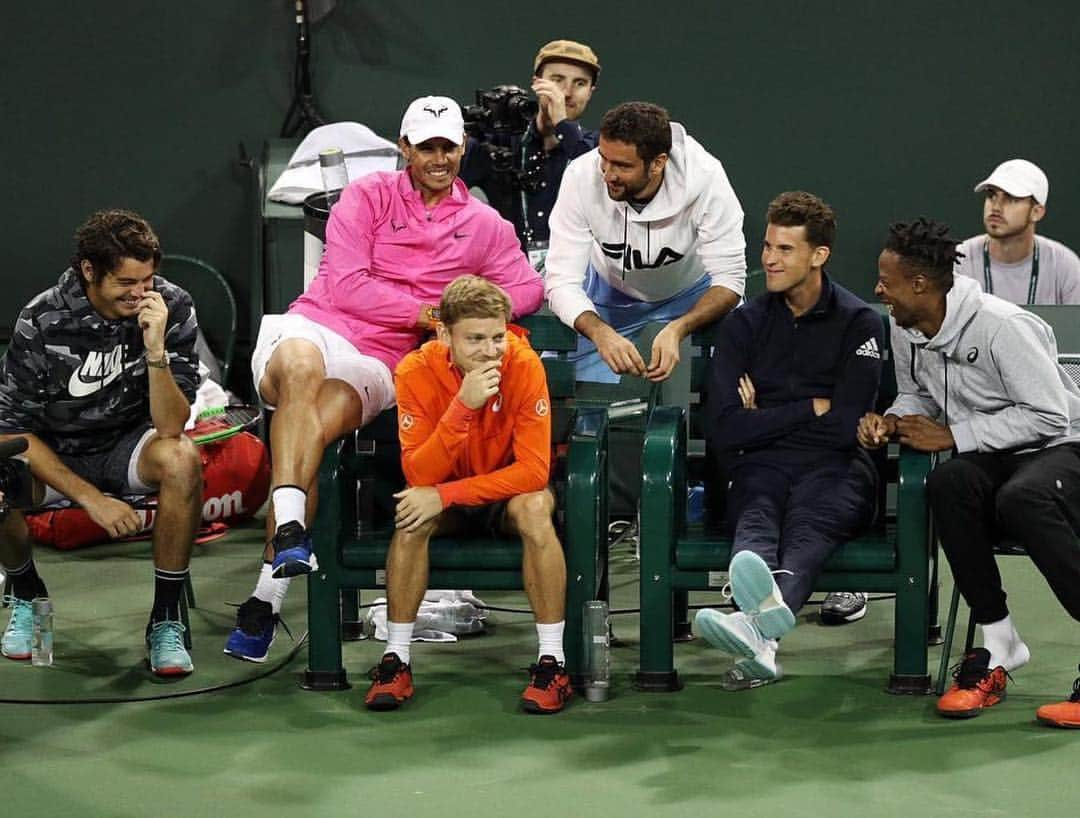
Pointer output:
175, 466
543, 565
407, 572
303, 427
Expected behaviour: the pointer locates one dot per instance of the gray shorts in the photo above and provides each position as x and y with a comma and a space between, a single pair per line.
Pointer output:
114, 471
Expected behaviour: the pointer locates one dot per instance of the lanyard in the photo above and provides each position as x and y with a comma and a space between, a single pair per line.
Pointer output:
1032, 285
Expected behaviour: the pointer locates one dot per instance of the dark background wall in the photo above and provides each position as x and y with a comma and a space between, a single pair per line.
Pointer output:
886, 110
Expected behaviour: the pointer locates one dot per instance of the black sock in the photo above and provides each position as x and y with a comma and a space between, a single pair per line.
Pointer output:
25, 582
168, 585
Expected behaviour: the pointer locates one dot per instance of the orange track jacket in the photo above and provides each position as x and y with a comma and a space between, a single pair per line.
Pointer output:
474, 456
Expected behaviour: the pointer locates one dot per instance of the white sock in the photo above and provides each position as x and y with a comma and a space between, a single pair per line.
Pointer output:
1006, 648
399, 638
289, 502
271, 590
550, 639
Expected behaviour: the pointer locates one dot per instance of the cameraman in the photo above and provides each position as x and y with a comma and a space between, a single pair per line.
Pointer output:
564, 78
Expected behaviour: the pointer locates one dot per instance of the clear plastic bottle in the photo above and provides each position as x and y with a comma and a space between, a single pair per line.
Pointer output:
41, 652
597, 651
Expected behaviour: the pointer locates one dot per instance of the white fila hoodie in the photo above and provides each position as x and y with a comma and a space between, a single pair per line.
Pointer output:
692, 227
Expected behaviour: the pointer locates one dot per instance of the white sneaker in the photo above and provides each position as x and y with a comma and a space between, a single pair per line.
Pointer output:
737, 634
758, 596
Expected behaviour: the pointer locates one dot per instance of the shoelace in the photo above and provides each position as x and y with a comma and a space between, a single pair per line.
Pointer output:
968, 674
1075, 697
249, 620
727, 593
543, 674
168, 635
385, 671
19, 608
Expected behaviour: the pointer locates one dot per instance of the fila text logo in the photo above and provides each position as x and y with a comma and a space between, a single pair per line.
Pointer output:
632, 259
869, 348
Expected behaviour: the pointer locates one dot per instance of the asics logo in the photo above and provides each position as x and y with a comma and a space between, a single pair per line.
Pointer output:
869, 348
97, 371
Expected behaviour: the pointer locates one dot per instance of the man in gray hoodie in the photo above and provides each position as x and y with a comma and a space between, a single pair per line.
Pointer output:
979, 375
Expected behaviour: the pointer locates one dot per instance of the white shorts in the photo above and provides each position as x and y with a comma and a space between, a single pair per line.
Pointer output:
369, 376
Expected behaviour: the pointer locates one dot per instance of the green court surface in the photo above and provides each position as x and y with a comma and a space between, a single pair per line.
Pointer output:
827, 739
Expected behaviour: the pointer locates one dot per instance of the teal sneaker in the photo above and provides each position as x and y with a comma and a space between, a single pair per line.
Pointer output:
757, 594
167, 654
19, 634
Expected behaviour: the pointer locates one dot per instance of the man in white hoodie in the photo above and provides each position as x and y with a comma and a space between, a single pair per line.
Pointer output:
646, 228
980, 375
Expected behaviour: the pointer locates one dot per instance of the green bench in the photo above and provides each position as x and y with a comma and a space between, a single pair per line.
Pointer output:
676, 557
354, 522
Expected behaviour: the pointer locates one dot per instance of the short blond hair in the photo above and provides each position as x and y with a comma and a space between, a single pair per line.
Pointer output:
473, 297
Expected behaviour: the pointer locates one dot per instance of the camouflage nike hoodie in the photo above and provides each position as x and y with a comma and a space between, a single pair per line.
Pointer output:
77, 380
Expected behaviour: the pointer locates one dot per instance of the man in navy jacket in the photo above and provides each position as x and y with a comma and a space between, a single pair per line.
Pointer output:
792, 372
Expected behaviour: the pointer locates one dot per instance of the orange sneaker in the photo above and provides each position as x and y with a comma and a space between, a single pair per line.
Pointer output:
391, 684
975, 688
549, 687
1062, 714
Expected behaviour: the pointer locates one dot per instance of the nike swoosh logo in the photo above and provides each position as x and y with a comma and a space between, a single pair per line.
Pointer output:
458, 235
79, 388
397, 228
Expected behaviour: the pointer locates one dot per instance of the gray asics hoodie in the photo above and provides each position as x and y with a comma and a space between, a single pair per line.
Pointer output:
990, 374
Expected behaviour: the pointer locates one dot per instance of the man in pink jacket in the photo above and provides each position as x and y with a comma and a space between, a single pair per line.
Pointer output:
393, 243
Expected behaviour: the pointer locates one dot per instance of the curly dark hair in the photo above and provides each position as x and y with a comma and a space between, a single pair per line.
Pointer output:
109, 236
925, 247
797, 208
641, 124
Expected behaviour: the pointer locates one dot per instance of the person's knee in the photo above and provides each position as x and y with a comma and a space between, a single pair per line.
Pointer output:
415, 541
949, 479
178, 462
531, 515
296, 370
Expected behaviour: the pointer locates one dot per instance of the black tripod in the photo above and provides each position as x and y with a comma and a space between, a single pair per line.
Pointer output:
302, 115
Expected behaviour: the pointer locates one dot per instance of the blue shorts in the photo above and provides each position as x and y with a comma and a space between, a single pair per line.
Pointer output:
629, 317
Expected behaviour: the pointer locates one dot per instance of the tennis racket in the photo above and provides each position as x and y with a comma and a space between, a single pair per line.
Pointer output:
223, 422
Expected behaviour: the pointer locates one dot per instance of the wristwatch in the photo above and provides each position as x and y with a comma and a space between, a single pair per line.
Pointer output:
431, 314
160, 363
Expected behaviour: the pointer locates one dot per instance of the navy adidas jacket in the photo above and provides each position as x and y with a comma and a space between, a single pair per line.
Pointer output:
832, 351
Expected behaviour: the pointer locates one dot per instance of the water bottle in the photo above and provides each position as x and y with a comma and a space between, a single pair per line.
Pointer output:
334, 173
597, 651
41, 652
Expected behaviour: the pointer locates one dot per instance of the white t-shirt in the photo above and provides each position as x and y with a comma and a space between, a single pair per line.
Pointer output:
1059, 272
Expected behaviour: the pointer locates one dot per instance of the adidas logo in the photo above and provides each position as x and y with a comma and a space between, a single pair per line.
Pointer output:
869, 348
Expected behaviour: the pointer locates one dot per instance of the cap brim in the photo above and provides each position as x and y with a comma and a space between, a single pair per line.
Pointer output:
418, 135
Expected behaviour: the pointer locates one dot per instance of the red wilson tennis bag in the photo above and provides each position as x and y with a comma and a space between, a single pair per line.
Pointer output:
236, 482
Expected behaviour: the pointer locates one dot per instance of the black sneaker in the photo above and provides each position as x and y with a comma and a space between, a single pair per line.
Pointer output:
293, 554
842, 607
256, 626
391, 684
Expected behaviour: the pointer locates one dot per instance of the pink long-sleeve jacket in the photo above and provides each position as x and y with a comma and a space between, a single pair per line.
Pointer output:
386, 254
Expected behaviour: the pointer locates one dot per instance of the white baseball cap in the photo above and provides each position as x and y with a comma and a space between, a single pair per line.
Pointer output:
1019, 178
429, 117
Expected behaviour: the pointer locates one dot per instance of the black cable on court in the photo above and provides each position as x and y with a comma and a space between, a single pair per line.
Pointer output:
180, 694
618, 611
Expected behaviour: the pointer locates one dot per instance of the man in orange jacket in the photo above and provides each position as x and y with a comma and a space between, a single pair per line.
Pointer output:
475, 427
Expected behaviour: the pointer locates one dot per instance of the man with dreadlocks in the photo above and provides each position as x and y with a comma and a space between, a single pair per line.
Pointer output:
979, 375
